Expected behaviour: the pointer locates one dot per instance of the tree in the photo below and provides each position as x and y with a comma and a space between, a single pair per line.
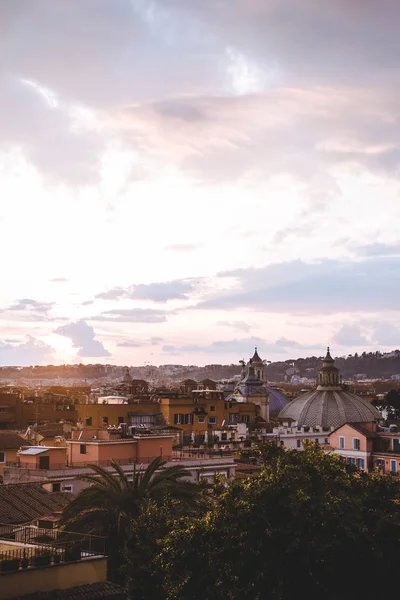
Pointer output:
112, 503
307, 526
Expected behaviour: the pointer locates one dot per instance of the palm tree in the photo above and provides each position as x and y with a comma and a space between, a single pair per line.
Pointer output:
112, 502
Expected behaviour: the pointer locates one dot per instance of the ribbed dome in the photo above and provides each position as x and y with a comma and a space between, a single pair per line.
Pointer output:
329, 405
328, 408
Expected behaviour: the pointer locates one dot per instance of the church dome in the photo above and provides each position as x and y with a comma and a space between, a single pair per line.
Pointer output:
329, 405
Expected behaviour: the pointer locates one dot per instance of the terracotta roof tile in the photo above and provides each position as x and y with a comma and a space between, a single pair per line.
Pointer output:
24, 502
94, 591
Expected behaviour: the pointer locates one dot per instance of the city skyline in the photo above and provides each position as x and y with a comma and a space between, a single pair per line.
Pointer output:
182, 181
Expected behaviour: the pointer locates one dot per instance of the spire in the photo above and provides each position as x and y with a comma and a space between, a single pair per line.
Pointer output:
256, 358
328, 375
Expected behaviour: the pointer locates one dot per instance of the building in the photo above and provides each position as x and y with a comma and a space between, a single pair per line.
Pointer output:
103, 415
10, 444
31, 503
252, 387
60, 468
329, 405
199, 414
59, 567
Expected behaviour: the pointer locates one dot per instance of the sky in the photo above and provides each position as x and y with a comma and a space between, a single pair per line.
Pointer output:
181, 181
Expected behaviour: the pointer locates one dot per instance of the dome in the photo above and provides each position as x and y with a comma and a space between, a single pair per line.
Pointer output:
329, 405
277, 401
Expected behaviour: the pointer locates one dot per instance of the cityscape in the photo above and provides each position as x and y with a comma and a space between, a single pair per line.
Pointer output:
199, 317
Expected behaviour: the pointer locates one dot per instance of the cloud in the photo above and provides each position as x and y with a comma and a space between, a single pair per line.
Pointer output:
284, 343
26, 304
156, 292
378, 249
238, 347
130, 344
28, 309
132, 315
82, 336
239, 325
325, 287
350, 335
30, 352
58, 280
386, 334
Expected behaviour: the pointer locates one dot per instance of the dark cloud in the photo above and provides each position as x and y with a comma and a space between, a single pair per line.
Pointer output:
156, 292
82, 336
132, 315
329, 84
30, 352
314, 288
351, 335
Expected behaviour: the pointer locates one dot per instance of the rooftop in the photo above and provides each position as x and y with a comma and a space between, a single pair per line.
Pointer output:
24, 502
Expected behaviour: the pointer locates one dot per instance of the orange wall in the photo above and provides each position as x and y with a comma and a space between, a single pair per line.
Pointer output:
113, 411
102, 451
152, 447
348, 433
57, 458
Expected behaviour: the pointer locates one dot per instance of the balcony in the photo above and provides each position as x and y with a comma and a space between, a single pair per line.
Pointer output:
34, 559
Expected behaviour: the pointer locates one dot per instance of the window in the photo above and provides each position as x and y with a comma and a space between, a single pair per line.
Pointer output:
189, 419
105, 420
212, 408
2, 457
88, 421
245, 418
67, 488
179, 419
356, 444
393, 466
351, 460
360, 463
396, 444
56, 487
212, 420
233, 418
341, 443
82, 448
200, 419
120, 420
298, 443
326, 441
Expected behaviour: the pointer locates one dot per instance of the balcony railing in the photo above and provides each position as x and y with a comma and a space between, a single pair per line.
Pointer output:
35, 547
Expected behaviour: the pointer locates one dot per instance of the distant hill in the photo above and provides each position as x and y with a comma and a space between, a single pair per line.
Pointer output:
371, 365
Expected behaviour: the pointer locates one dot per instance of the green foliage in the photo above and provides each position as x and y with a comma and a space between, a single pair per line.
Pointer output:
113, 503
308, 526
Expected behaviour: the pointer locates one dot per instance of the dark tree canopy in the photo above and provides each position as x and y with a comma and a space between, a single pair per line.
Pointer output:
308, 526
